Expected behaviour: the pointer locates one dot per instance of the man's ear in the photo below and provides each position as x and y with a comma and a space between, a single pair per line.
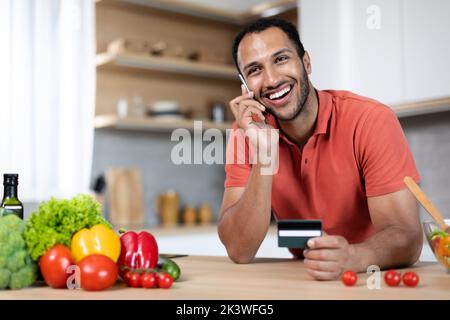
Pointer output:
307, 62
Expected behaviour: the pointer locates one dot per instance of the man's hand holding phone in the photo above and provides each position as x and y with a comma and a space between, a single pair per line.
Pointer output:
247, 111
249, 114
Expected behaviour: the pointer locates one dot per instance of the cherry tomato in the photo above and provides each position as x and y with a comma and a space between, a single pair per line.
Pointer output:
349, 278
148, 280
410, 279
164, 280
53, 266
135, 280
127, 276
97, 272
392, 278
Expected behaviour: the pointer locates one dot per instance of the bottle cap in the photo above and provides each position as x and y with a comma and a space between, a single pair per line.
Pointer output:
10, 179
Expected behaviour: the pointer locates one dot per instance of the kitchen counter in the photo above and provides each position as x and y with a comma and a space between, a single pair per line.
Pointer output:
204, 240
206, 277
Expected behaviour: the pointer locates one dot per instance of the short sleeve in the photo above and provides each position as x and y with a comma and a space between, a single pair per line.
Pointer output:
237, 166
384, 154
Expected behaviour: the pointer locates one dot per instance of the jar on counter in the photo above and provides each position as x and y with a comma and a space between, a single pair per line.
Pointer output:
205, 214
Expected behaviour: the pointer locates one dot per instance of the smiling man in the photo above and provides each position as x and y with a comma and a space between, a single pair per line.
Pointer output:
342, 159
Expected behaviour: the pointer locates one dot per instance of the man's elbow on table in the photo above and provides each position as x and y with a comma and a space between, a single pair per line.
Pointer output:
240, 256
237, 252
413, 245
407, 245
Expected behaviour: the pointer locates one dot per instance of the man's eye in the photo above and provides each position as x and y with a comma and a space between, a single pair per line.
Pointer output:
252, 71
281, 58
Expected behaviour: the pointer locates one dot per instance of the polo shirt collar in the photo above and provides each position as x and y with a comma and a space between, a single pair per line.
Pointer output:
324, 113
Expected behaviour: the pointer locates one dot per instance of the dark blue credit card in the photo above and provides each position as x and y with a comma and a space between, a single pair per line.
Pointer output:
296, 233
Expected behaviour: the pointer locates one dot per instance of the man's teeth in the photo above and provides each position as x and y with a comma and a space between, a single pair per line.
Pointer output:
278, 94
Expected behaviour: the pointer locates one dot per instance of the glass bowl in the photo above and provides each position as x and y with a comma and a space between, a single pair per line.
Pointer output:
439, 242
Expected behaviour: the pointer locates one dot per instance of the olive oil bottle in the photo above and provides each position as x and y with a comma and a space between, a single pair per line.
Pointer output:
10, 200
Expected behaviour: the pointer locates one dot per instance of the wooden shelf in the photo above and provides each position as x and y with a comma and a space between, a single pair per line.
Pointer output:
422, 107
152, 124
172, 65
267, 8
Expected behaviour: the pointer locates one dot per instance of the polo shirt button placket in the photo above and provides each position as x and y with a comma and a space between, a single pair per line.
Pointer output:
298, 159
304, 163
305, 157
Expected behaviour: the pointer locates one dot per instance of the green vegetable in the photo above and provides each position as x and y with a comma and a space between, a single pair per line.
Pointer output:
17, 270
438, 233
171, 268
57, 220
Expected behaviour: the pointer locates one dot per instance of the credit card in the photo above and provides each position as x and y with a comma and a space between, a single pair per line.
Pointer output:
296, 233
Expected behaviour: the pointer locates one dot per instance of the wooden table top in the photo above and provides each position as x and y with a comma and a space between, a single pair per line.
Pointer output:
207, 277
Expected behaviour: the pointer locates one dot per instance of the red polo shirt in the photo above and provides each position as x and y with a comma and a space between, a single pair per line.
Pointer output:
358, 150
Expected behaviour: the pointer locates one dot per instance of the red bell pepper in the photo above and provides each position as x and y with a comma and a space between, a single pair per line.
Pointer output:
138, 251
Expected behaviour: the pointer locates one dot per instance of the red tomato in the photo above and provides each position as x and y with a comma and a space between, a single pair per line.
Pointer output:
164, 280
410, 279
392, 278
349, 278
127, 276
148, 280
135, 280
97, 272
53, 266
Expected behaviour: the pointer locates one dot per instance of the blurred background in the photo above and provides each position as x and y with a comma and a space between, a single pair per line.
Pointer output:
92, 92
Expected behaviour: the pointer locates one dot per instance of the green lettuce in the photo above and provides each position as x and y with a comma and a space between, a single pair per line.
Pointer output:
57, 220
438, 233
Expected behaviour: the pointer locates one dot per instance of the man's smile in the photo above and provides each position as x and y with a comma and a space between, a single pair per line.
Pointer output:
278, 97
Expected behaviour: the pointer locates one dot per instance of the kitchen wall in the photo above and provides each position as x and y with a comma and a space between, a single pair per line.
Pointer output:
150, 152
429, 139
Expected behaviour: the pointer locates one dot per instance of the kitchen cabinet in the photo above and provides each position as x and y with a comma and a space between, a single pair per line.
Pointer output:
426, 47
390, 50
266, 278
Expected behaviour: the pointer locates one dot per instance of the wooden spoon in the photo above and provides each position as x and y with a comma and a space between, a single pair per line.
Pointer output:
426, 203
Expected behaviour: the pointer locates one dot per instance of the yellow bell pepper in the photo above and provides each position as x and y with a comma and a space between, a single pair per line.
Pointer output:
97, 240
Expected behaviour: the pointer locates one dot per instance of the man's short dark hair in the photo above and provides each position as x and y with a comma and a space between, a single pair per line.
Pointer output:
265, 23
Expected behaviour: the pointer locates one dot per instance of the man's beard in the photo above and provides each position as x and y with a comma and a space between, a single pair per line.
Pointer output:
304, 94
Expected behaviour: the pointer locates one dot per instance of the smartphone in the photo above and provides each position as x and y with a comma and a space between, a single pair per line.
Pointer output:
244, 82
248, 90
296, 233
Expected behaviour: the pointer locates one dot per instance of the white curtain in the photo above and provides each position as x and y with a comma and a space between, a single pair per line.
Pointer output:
47, 95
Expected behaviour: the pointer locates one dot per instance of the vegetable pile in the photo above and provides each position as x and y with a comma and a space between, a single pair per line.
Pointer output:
17, 270
74, 246
141, 266
56, 221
